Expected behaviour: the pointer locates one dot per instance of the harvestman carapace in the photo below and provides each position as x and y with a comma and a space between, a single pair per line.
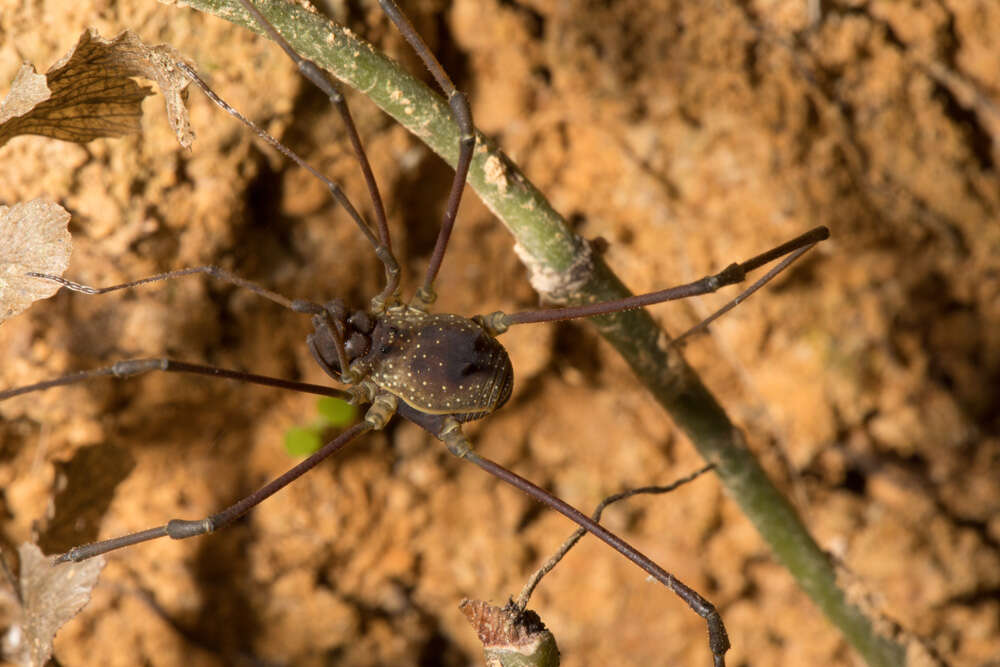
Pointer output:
436, 370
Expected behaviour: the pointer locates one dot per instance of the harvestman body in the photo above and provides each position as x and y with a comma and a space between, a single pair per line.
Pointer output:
436, 370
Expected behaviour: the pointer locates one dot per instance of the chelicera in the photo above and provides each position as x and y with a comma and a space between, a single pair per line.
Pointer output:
435, 370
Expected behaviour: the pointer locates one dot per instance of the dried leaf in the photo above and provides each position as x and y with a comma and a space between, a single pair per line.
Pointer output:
33, 237
50, 596
89, 92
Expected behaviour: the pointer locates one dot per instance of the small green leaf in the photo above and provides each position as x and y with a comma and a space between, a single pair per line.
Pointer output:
338, 412
301, 441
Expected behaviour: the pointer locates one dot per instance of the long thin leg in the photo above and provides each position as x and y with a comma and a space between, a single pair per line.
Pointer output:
742, 296
718, 640
570, 542
382, 249
325, 321
213, 271
311, 71
180, 529
131, 367
732, 274
462, 114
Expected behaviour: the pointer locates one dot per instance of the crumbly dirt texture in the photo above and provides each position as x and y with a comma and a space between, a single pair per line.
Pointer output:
687, 135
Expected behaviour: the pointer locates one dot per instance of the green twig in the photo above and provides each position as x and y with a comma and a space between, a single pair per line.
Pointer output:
575, 275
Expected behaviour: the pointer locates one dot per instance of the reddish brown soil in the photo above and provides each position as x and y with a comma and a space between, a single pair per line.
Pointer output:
687, 135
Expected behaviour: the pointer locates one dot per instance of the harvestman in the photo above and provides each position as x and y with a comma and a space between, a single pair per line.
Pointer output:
436, 370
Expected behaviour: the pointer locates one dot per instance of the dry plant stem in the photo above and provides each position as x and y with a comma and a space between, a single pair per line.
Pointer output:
550, 246
511, 636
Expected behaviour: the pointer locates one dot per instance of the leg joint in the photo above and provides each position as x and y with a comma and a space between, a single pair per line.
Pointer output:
453, 438
123, 369
381, 411
179, 529
460, 109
